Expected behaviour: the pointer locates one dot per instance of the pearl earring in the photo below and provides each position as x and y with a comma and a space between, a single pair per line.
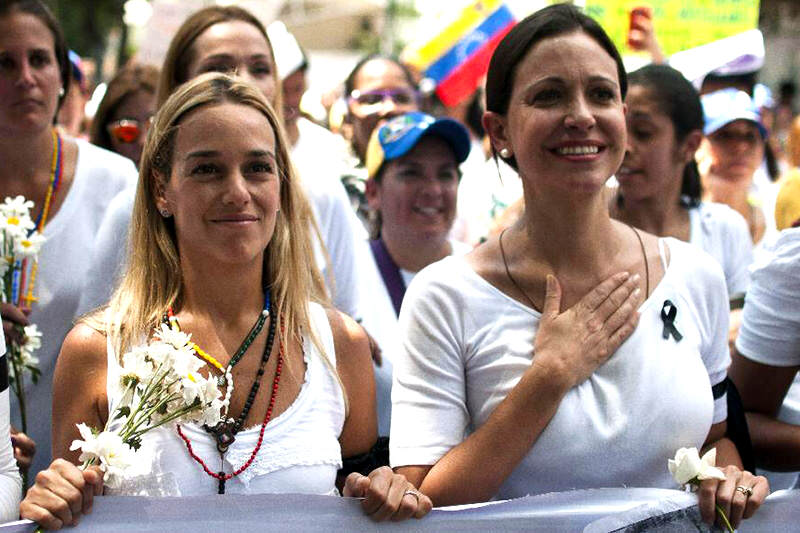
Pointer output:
61, 92
505, 153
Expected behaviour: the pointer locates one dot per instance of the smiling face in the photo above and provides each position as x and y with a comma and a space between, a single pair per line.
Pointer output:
416, 193
565, 122
654, 161
29, 75
736, 150
235, 47
224, 188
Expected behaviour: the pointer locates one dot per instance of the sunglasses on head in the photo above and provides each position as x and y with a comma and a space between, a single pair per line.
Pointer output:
127, 130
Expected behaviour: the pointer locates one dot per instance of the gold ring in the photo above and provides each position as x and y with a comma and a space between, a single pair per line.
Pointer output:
747, 491
412, 492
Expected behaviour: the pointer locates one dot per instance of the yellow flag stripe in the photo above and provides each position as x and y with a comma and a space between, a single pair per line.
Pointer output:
474, 13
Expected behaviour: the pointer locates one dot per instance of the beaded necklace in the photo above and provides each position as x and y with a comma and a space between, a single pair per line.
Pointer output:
56, 171
226, 377
225, 431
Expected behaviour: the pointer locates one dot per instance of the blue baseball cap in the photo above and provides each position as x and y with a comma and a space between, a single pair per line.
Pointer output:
728, 105
400, 134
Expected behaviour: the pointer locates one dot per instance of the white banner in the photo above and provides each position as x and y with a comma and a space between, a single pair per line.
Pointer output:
595, 511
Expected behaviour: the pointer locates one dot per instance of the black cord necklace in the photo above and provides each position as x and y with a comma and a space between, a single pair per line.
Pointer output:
225, 430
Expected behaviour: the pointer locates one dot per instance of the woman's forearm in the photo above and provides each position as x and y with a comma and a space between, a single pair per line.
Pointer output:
776, 444
474, 470
727, 454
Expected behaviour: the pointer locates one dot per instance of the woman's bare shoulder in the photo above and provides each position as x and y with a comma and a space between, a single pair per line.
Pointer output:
83, 345
348, 335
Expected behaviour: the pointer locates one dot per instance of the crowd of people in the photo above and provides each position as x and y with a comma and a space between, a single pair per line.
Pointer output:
391, 343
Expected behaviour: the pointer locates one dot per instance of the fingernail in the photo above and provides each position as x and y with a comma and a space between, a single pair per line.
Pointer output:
636, 277
637, 291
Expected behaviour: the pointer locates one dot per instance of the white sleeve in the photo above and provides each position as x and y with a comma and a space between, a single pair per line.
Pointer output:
770, 331
10, 482
109, 253
340, 233
739, 254
429, 410
707, 281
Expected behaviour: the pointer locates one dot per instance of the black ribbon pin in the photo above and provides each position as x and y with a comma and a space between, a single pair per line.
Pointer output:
668, 314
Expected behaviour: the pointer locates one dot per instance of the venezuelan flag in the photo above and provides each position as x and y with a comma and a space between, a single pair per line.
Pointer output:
458, 56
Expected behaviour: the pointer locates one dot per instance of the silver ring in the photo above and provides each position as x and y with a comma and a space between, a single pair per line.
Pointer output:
747, 491
412, 492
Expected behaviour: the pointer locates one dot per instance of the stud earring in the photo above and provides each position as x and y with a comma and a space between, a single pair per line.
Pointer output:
164, 213
61, 92
505, 153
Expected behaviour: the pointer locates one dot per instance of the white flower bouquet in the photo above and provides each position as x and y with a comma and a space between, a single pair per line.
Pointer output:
20, 244
688, 468
159, 384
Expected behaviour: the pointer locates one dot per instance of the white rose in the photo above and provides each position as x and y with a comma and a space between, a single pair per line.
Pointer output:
688, 466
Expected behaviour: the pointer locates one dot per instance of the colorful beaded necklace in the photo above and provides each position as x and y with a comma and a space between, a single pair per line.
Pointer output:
225, 432
226, 377
56, 171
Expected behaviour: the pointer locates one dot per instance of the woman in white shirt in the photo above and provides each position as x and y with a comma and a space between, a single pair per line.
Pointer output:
659, 182
218, 242
412, 163
523, 369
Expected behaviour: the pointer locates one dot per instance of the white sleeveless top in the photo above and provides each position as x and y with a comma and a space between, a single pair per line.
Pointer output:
300, 452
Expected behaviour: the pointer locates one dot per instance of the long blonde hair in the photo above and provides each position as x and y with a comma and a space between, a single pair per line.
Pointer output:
153, 280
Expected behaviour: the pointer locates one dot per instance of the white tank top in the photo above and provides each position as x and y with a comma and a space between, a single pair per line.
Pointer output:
300, 452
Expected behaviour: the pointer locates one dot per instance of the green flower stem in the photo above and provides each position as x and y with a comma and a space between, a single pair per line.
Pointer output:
19, 390
143, 398
152, 408
724, 517
170, 418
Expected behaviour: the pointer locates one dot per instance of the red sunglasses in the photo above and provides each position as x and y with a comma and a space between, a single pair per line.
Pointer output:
127, 130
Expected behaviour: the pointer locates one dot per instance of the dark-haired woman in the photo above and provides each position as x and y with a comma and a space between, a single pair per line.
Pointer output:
378, 88
540, 361
70, 182
124, 113
659, 183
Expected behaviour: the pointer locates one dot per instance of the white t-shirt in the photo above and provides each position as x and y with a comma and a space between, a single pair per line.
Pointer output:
467, 345
723, 233
318, 158
10, 482
770, 330
300, 452
63, 263
380, 321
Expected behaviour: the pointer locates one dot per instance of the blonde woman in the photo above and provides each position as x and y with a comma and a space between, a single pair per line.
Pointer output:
232, 40
216, 239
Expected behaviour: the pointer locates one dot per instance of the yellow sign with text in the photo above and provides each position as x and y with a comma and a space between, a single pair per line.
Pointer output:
679, 24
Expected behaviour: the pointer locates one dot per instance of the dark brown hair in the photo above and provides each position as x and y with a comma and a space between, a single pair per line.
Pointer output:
40, 11
128, 81
551, 21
